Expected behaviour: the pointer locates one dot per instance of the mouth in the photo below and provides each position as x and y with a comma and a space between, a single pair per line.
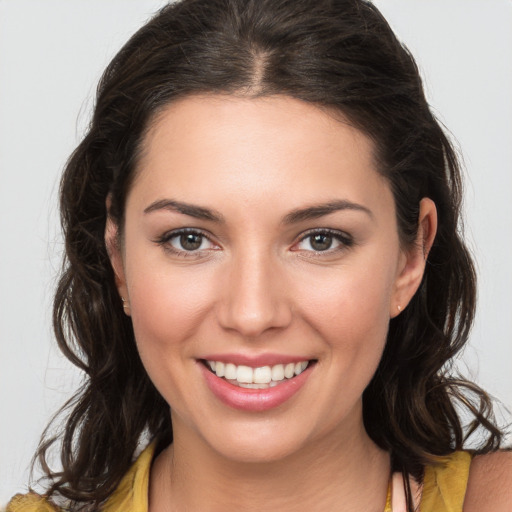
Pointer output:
262, 377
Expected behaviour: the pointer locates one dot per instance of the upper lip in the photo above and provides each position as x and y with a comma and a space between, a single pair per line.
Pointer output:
255, 360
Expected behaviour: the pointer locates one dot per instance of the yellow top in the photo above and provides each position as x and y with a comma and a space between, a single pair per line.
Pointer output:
444, 488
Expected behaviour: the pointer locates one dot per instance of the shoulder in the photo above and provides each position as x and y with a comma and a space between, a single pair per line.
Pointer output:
132, 491
445, 482
31, 502
130, 494
490, 483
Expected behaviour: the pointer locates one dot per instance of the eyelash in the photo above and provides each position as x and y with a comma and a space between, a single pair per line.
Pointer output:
345, 240
166, 238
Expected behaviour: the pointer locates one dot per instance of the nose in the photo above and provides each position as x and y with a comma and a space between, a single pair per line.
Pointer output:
254, 298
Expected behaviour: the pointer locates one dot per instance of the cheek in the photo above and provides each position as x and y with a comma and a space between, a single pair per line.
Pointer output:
168, 307
350, 299
350, 312
167, 304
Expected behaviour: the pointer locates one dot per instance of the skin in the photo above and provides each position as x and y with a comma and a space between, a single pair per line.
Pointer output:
490, 483
258, 286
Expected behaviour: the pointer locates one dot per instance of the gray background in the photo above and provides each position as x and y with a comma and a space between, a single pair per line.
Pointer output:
51, 55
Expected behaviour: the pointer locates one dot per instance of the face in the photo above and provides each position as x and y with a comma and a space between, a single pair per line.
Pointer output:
261, 263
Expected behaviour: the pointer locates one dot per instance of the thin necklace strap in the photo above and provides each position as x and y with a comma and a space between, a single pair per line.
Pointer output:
398, 501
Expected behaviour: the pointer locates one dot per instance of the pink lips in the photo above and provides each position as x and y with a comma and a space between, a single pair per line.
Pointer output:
254, 400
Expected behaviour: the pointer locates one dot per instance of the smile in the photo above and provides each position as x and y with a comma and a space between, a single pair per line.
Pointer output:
263, 377
255, 386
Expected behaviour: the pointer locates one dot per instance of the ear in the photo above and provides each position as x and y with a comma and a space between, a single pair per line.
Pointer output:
413, 259
114, 251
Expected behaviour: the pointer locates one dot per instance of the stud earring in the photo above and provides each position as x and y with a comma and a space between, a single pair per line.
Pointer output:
125, 305
399, 308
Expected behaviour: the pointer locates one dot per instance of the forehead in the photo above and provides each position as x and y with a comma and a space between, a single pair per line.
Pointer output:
256, 148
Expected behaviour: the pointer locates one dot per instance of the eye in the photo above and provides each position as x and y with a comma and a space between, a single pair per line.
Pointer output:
186, 242
326, 240
320, 241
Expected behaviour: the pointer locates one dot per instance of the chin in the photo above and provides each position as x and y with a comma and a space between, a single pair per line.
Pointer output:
252, 442
265, 451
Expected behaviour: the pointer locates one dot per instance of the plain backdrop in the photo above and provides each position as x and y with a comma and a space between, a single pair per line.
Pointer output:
52, 53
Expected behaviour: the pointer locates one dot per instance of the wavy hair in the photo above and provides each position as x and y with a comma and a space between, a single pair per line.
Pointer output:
339, 54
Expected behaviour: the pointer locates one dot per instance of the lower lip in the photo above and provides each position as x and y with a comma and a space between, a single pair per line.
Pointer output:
254, 399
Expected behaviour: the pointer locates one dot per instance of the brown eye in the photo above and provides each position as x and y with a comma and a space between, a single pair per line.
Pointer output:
190, 241
324, 240
321, 241
186, 241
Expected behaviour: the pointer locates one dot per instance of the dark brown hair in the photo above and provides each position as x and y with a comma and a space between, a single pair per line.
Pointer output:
339, 54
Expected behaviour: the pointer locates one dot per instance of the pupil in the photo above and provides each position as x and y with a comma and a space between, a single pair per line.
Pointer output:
321, 242
190, 241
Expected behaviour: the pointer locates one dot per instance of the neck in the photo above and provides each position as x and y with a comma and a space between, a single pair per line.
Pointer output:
341, 472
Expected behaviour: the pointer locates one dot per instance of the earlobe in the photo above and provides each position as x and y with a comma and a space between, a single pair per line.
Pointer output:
414, 259
112, 244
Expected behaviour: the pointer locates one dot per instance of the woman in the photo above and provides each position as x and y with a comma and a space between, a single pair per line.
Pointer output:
265, 279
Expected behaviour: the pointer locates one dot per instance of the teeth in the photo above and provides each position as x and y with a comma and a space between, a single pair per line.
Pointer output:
300, 367
244, 374
257, 378
220, 369
261, 375
230, 371
277, 372
253, 386
289, 370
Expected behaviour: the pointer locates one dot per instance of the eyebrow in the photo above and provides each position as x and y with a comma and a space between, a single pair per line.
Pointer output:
299, 215
191, 210
319, 210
